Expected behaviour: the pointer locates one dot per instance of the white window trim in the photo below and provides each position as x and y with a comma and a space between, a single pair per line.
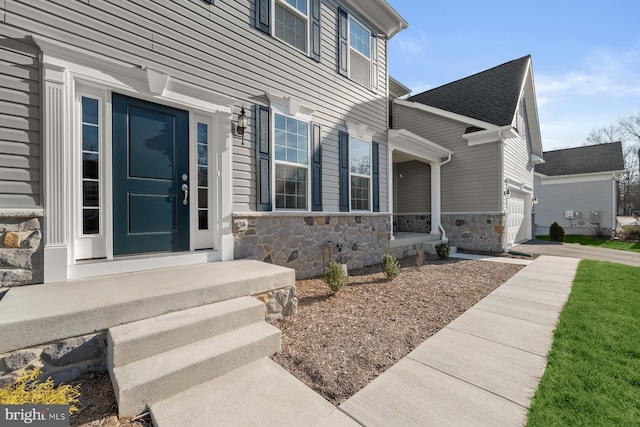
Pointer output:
283, 111
349, 18
370, 176
292, 9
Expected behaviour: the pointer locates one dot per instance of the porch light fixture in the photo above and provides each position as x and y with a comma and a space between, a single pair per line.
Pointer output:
507, 193
242, 123
534, 200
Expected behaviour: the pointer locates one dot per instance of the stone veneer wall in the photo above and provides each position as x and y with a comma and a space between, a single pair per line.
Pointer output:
476, 232
63, 361
301, 241
413, 223
21, 255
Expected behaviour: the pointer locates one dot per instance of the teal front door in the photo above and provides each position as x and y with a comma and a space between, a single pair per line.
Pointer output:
150, 181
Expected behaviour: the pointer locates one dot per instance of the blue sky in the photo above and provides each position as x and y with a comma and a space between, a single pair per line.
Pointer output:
586, 55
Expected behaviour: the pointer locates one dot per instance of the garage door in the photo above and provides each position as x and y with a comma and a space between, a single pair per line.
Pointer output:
517, 229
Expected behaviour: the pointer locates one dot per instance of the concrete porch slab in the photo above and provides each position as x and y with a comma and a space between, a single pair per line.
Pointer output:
38, 314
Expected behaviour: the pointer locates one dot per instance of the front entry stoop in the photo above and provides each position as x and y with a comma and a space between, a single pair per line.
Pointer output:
153, 359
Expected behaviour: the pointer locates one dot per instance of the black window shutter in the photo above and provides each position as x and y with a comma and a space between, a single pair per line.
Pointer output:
375, 168
344, 171
343, 42
315, 30
316, 168
263, 153
263, 15
374, 64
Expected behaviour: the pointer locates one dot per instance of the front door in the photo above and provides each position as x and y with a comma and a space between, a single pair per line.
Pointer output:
150, 182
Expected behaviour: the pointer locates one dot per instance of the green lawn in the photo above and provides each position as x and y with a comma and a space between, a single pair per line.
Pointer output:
593, 373
590, 241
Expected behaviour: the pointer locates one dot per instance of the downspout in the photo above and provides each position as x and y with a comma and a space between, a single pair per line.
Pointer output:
443, 236
501, 196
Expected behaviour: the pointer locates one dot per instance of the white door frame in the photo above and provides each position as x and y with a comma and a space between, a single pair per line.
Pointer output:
69, 71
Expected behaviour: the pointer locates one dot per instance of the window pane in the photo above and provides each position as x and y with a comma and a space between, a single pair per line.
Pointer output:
89, 110
291, 28
291, 187
90, 221
203, 176
359, 156
202, 155
90, 193
203, 201
359, 193
90, 138
90, 165
359, 38
291, 140
360, 69
203, 220
301, 5
203, 131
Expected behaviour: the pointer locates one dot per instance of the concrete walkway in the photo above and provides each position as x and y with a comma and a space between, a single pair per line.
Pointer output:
484, 367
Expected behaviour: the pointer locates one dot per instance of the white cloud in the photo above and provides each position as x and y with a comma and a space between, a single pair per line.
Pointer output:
410, 44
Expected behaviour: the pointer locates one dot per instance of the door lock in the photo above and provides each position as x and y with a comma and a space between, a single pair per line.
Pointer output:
185, 188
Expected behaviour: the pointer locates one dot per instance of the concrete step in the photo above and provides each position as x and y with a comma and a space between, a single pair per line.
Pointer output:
38, 314
258, 394
155, 378
139, 340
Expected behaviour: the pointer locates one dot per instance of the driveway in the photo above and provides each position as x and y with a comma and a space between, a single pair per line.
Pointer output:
574, 250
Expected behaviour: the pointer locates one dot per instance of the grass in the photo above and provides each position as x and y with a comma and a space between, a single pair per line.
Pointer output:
593, 371
602, 243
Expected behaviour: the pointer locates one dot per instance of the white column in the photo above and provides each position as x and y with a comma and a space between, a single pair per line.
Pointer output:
55, 167
390, 195
436, 212
226, 182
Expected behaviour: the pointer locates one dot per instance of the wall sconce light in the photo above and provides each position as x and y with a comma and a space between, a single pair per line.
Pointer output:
242, 123
507, 193
534, 200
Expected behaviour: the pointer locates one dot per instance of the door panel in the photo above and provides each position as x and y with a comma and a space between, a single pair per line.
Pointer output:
150, 155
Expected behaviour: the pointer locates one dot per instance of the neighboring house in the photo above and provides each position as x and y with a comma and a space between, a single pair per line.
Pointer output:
577, 188
463, 157
122, 133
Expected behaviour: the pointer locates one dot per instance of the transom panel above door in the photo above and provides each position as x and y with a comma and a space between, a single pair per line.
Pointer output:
150, 177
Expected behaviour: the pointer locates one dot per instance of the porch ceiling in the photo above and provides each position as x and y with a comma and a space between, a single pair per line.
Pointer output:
409, 146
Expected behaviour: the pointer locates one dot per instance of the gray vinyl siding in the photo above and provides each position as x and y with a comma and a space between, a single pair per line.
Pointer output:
517, 156
584, 197
413, 190
471, 181
217, 47
19, 124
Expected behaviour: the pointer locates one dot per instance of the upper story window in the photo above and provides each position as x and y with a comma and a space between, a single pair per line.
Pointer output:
359, 53
291, 148
291, 22
295, 22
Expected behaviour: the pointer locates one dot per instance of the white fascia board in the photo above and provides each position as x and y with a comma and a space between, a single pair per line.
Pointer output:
586, 177
445, 113
417, 146
532, 111
492, 135
381, 14
397, 89
536, 160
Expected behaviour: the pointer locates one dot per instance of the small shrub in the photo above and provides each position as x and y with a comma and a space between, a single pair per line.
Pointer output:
556, 233
29, 390
442, 250
419, 258
390, 266
335, 277
601, 232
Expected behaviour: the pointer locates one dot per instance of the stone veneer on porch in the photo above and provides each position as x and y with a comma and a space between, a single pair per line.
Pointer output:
20, 248
305, 241
476, 231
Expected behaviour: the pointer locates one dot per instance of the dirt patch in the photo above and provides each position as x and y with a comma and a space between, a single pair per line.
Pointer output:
337, 344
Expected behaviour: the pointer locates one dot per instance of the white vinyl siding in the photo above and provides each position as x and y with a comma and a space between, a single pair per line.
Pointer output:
212, 47
19, 124
517, 154
412, 188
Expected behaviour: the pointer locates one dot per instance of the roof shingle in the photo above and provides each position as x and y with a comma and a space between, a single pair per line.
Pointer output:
586, 159
491, 95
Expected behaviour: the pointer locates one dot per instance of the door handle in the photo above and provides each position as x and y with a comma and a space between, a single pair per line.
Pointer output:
185, 188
